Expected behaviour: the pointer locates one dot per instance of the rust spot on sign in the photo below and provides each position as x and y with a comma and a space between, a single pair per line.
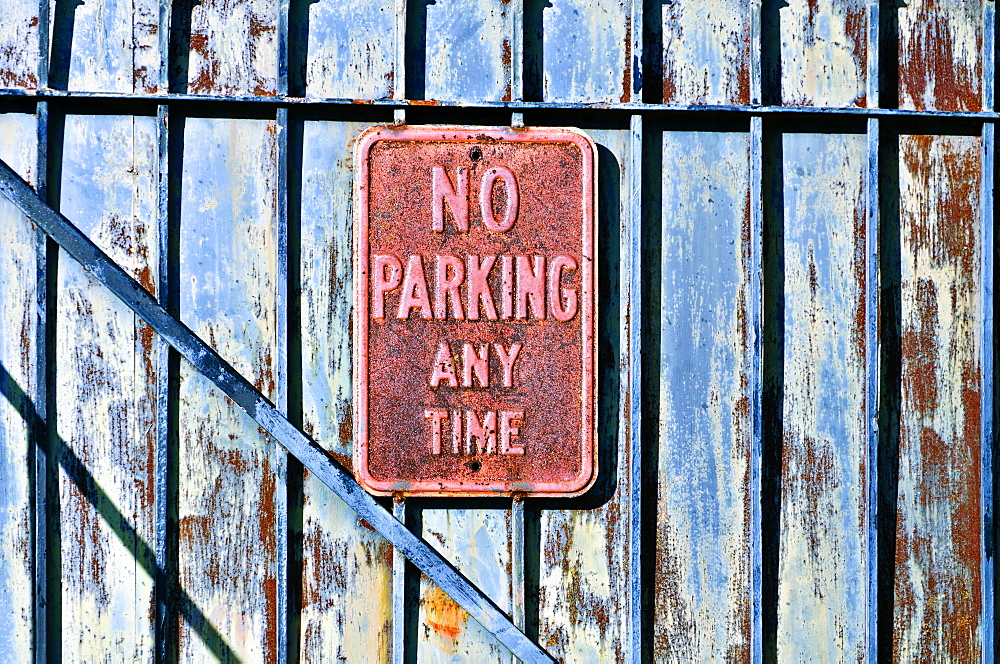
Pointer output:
475, 311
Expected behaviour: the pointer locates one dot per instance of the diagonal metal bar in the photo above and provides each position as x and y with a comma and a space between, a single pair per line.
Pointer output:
237, 388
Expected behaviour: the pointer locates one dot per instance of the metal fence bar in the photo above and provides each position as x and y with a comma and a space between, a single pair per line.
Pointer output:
399, 589
987, 342
399, 71
635, 24
517, 576
516, 41
244, 395
630, 428
280, 396
872, 383
756, 54
754, 344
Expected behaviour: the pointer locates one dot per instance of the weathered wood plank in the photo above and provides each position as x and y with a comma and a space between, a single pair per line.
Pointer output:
346, 574
584, 574
351, 49
476, 541
114, 46
18, 276
824, 53
822, 602
587, 47
19, 44
106, 395
938, 605
227, 485
702, 595
468, 50
940, 55
706, 52
234, 47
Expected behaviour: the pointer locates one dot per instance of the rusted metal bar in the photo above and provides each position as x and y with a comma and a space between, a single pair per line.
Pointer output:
754, 342
244, 395
871, 295
630, 429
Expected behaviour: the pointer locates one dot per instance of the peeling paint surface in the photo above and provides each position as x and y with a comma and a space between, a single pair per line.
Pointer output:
19, 44
346, 574
940, 55
938, 607
822, 594
18, 276
587, 57
228, 485
233, 48
824, 52
706, 52
702, 527
467, 42
351, 49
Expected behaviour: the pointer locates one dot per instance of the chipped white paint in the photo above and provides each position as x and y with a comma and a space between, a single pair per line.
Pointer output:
352, 49
234, 47
822, 599
706, 57
115, 47
586, 48
19, 44
467, 41
703, 560
17, 352
346, 575
228, 485
824, 53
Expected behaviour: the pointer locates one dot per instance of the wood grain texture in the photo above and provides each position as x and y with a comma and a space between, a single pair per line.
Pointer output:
18, 276
476, 543
702, 584
937, 613
351, 49
468, 50
824, 52
706, 52
584, 574
113, 46
227, 483
234, 48
106, 395
587, 50
346, 573
940, 55
19, 44
822, 603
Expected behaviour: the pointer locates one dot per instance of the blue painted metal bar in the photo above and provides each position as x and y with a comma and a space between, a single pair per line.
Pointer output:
635, 20
399, 67
988, 341
281, 378
756, 53
262, 411
517, 577
399, 589
516, 9
871, 291
754, 343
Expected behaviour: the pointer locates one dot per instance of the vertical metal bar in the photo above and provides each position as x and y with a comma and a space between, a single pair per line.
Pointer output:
517, 580
989, 55
756, 53
873, 52
398, 589
282, 48
281, 381
635, 20
516, 50
163, 34
754, 343
630, 430
872, 382
986, 396
399, 76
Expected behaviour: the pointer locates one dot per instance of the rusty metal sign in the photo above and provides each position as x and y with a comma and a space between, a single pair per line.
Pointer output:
474, 311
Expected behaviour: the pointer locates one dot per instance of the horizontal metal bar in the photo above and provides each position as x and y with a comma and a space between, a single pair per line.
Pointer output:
631, 107
237, 388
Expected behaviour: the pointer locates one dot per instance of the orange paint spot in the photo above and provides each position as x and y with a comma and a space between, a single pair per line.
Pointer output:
443, 615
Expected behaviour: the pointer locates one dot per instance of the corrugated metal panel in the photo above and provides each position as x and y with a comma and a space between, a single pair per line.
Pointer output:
815, 448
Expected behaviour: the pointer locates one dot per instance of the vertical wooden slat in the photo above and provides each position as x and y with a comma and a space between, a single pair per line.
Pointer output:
346, 584
585, 575
823, 569
823, 50
703, 584
938, 606
706, 52
233, 48
475, 541
587, 48
113, 45
19, 379
468, 50
940, 55
106, 366
351, 49
228, 484
19, 20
